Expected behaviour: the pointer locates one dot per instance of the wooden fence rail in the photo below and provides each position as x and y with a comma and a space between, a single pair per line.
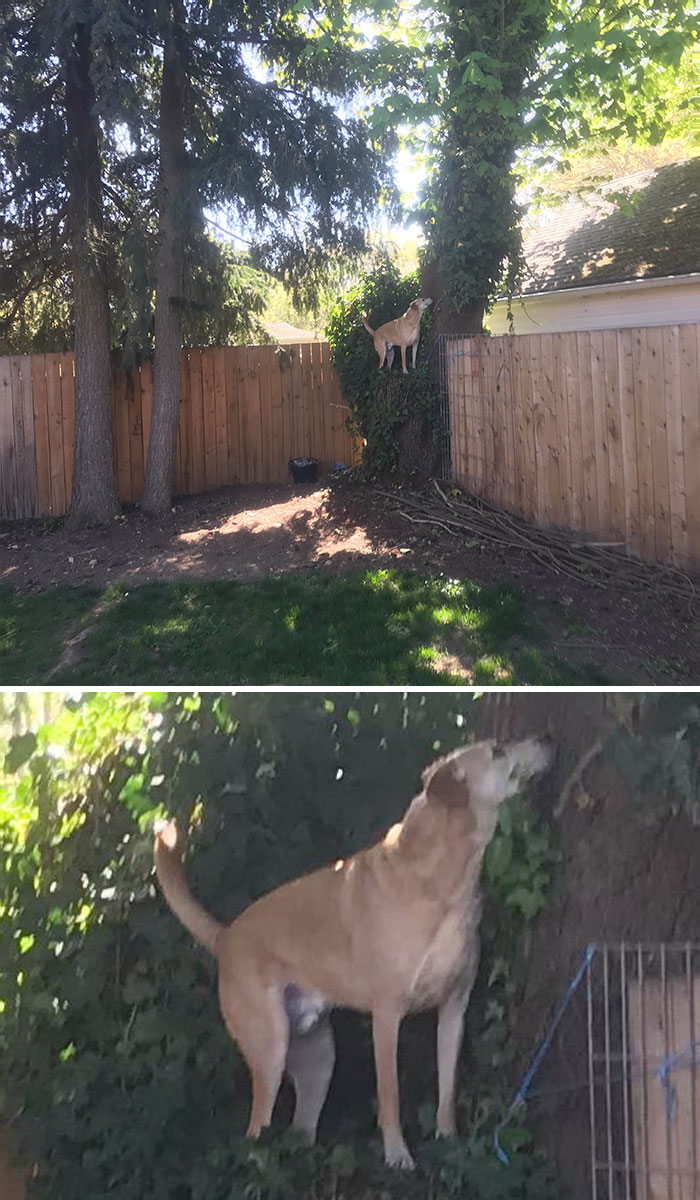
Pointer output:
244, 412
597, 432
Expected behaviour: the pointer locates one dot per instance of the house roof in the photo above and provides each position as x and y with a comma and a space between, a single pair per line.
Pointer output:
592, 241
285, 333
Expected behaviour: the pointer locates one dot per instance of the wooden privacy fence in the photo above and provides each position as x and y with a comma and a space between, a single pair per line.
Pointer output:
244, 412
597, 432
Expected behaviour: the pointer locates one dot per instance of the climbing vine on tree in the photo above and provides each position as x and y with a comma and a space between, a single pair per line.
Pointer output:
118, 1072
396, 416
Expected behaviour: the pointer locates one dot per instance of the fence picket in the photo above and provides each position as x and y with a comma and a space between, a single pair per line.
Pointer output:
605, 432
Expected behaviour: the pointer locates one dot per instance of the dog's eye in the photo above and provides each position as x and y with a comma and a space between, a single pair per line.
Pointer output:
498, 752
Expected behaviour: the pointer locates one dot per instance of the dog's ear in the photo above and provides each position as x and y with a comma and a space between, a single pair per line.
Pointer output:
443, 784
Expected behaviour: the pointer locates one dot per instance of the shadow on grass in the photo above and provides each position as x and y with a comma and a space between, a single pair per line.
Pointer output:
362, 628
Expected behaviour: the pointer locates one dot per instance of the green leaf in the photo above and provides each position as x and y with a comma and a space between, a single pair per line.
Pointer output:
22, 746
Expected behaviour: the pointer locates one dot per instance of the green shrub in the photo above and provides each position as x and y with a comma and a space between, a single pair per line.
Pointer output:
385, 403
117, 1069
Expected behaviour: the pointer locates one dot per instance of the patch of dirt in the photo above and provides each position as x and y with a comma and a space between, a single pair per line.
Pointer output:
262, 530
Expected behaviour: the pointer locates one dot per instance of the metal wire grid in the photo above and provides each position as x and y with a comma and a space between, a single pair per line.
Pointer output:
643, 1007
461, 366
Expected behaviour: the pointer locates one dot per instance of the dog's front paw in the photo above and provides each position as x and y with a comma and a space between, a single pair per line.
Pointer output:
397, 1155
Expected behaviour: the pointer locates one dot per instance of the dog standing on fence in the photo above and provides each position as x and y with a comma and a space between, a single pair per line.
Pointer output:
403, 332
392, 930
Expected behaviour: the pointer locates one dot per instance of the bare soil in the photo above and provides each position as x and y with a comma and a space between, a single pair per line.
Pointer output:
258, 531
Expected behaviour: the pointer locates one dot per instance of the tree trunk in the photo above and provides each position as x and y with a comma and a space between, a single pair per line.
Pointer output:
94, 495
160, 466
468, 322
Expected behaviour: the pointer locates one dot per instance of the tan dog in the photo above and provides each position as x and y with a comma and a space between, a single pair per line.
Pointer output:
392, 930
403, 332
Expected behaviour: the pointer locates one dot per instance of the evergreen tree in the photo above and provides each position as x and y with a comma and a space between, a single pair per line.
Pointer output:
250, 120
52, 209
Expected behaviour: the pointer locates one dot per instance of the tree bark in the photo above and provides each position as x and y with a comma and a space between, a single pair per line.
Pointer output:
160, 465
94, 497
468, 322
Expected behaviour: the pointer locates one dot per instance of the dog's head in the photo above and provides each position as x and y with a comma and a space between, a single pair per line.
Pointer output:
480, 777
420, 305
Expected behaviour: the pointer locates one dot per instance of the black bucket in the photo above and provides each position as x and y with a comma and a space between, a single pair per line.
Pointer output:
304, 470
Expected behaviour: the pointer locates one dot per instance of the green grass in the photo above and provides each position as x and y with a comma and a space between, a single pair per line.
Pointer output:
364, 628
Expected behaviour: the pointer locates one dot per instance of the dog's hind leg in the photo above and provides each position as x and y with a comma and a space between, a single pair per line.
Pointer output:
256, 1018
389, 355
310, 1062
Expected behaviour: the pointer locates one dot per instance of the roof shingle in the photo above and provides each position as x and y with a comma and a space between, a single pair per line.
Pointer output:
591, 241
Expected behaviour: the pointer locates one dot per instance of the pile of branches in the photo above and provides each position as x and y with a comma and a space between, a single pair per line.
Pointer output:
597, 564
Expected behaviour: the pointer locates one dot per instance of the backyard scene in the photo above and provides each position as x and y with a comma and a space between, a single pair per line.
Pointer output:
208, 213
578, 1074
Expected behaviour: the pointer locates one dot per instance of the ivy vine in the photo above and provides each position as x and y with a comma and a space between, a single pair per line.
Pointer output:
383, 402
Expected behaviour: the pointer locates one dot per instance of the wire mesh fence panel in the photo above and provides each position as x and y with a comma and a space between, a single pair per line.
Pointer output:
643, 1018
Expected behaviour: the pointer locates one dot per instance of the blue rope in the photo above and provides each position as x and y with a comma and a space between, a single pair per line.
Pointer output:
529, 1075
435, 343
662, 1074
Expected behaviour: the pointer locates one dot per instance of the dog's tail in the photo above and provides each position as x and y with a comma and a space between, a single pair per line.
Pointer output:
367, 327
171, 876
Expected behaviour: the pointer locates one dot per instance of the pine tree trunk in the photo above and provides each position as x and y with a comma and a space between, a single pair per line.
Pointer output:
160, 466
94, 495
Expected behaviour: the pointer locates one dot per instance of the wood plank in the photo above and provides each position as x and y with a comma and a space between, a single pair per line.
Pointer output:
197, 412
29, 442
334, 449
613, 433
662, 1024
549, 435
184, 434
22, 495
491, 447
542, 514
322, 454
209, 411
243, 415
121, 432
659, 444
135, 419
266, 365
41, 437
8, 449
561, 410
179, 476
255, 417
298, 427
68, 406
573, 409
232, 414
628, 439
504, 412
309, 401
528, 422
640, 358
600, 452
456, 350
587, 401
146, 375
475, 384
221, 411
674, 443
518, 425
689, 354
54, 409
467, 437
